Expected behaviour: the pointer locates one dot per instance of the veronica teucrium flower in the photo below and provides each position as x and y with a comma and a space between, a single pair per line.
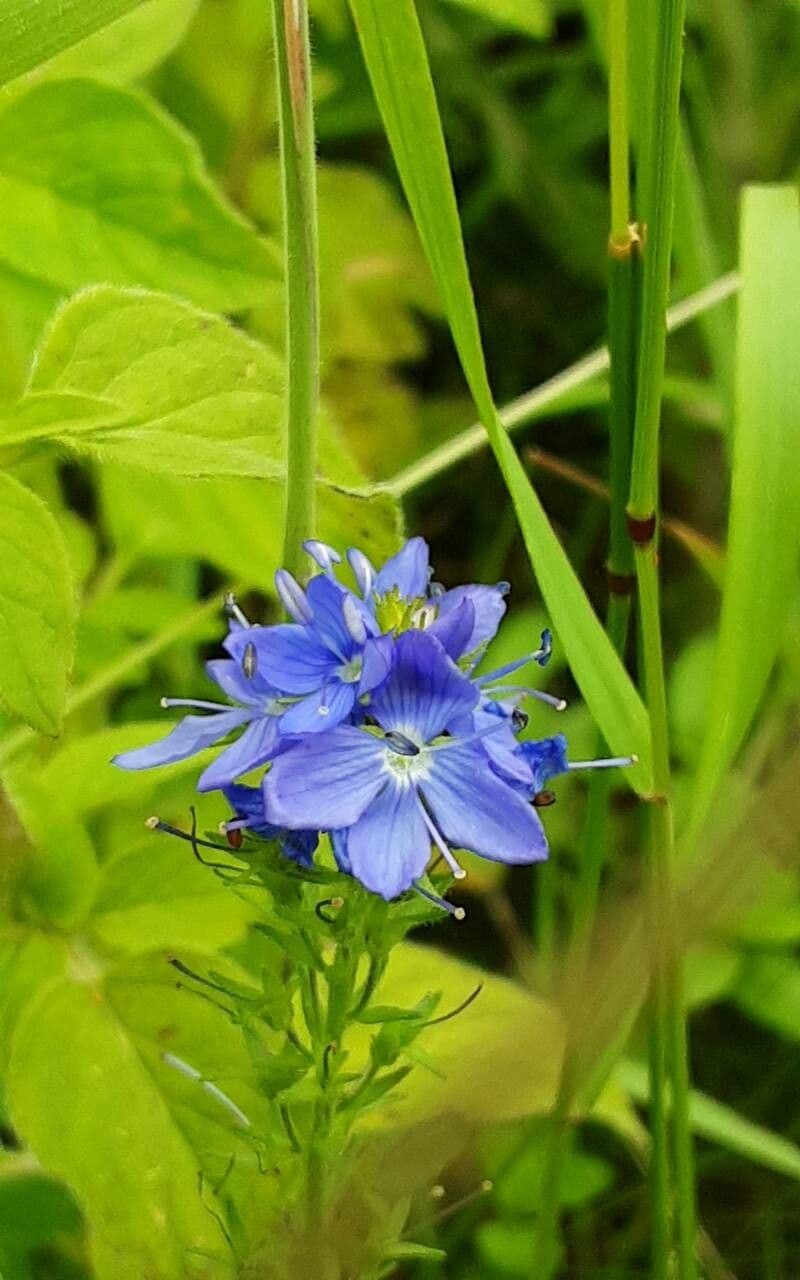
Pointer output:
257, 709
397, 788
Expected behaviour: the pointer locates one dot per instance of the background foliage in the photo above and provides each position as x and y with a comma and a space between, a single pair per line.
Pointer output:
141, 316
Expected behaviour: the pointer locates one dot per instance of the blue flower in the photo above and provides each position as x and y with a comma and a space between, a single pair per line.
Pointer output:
258, 708
393, 790
248, 805
327, 659
463, 619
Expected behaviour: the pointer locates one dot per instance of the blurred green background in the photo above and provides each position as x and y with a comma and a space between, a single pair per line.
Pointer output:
170, 111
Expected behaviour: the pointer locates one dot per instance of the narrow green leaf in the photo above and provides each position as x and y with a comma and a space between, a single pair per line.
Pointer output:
32, 31
98, 183
722, 1125
37, 610
529, 16
764, 521
397, 62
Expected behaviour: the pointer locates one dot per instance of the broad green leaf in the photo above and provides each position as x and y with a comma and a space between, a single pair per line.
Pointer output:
32, 31
186, 393
40, 1223
37, 610
157, 895
397, 62
73, 214
505, 1034
373, 275
722, 1125
171, 517
764, 521
130, 47
99, 1108
529, 16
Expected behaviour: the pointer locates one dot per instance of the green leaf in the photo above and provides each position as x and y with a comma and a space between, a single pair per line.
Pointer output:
764, 521
505, 1034
37, 610
73, 214
130, 47
768, 990
40, 1225
529, 16
722, 1125
397, 62
32, 31
157, 895
91, 1095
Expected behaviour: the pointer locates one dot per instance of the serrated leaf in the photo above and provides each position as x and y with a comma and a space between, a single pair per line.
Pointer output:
73, 213
37, 609
32, 31
91, 1094
397, 63
764, 521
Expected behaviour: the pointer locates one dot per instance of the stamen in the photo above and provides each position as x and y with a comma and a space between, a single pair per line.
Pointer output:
442, 846
458, 913
233, 611
155, 824
475, 737
399, 743
558, 704
363, 570
519, 719
540, 656
211, 1089
613, 762
199, 703
436, 589
543, 799
292, 597
249, 660
322, 554
353, 620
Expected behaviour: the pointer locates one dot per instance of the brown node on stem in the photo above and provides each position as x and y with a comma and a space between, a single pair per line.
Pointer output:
619, 584
641, 529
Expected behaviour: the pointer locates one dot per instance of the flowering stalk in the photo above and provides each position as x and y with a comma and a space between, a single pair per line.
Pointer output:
298, 171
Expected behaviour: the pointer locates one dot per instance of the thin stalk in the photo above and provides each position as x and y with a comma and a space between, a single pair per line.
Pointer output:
298, 172
669, 1021
622, 329
657, 206
546, 397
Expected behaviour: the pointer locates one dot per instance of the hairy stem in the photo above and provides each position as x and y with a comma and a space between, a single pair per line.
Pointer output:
298, 171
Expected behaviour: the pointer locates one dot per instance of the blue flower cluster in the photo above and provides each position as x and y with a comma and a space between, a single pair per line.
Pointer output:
375, 727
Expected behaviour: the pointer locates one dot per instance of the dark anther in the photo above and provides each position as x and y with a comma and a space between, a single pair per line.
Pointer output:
249, 660
234, 838
402, 745
519, 719
620, 584
642, 530
321, 912
543, 799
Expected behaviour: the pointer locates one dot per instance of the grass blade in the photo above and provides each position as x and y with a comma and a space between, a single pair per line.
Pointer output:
397, 63
764, 521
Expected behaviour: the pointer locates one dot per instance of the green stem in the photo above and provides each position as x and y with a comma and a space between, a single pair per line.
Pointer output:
618, 128
658, 192
298, 170
668, 1016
